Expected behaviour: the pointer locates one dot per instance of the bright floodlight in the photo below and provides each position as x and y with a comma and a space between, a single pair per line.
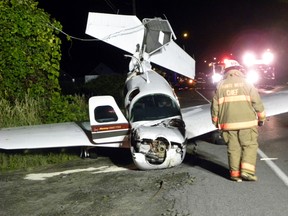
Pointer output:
268, 57
216, 77
252, 76
249, 59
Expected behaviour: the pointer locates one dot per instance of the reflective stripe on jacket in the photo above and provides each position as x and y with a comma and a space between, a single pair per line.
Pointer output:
236, 103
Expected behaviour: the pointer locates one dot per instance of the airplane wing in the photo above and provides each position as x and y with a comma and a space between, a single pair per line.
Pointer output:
198, 118
276, 103
67, 134
71, 134
127, 31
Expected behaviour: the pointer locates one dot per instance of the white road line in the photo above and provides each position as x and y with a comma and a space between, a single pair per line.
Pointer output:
268, 159
102, 169
275, 168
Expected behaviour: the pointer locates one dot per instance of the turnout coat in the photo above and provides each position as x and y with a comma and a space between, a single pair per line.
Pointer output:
236, 103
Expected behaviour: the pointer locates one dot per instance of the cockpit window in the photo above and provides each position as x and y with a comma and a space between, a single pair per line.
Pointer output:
105, 114
154, 107
133, 94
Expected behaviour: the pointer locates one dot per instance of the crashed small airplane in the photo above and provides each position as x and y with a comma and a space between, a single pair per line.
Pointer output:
154, 126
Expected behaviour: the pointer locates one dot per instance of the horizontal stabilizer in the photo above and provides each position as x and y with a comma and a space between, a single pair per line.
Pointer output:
127, 32
176, 59
122, 31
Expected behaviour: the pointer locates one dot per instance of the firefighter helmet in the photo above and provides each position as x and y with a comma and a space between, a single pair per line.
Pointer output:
230, 64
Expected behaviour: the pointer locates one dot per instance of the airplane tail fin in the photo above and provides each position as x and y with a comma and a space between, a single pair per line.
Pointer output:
154, 36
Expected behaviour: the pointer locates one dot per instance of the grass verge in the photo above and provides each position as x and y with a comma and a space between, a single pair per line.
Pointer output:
28, 160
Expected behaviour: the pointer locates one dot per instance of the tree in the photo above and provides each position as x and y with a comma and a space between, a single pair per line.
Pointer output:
29, 51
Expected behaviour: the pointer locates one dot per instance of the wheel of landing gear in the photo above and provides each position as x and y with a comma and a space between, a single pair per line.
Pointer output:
86, 154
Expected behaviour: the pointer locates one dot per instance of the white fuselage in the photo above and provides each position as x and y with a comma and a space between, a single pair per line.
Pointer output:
158, 138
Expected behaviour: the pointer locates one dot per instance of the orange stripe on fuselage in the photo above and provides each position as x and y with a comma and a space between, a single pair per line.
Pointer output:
109, 127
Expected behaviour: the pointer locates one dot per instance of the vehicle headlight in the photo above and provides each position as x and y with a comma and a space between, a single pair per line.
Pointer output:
249, 59
216, 77
268, 57
252, 76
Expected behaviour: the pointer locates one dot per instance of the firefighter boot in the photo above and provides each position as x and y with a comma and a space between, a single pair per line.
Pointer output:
235, 176
237, 179
248, 176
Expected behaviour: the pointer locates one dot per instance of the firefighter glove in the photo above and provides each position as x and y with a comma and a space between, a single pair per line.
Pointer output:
260, 123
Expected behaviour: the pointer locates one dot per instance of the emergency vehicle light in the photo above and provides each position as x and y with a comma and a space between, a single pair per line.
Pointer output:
268, 57
252, 76
249, 59
216, 77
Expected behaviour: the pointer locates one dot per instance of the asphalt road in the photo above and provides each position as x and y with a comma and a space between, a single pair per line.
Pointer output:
110, 184
272, 136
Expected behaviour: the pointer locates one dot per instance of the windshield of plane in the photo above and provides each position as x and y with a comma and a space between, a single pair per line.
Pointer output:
154, 107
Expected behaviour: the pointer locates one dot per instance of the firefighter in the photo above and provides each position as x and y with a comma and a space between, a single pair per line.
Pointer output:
236, 111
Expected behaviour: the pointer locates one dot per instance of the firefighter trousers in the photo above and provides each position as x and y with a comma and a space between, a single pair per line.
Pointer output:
242, 148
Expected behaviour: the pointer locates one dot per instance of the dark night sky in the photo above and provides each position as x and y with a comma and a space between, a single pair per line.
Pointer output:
215, 28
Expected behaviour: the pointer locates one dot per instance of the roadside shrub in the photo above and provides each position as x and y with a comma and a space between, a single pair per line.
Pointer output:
31, 111
65, 109
29, 51
21, 112
106, 85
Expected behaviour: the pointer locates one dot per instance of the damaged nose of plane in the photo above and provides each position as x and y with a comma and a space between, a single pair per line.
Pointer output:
159, 146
